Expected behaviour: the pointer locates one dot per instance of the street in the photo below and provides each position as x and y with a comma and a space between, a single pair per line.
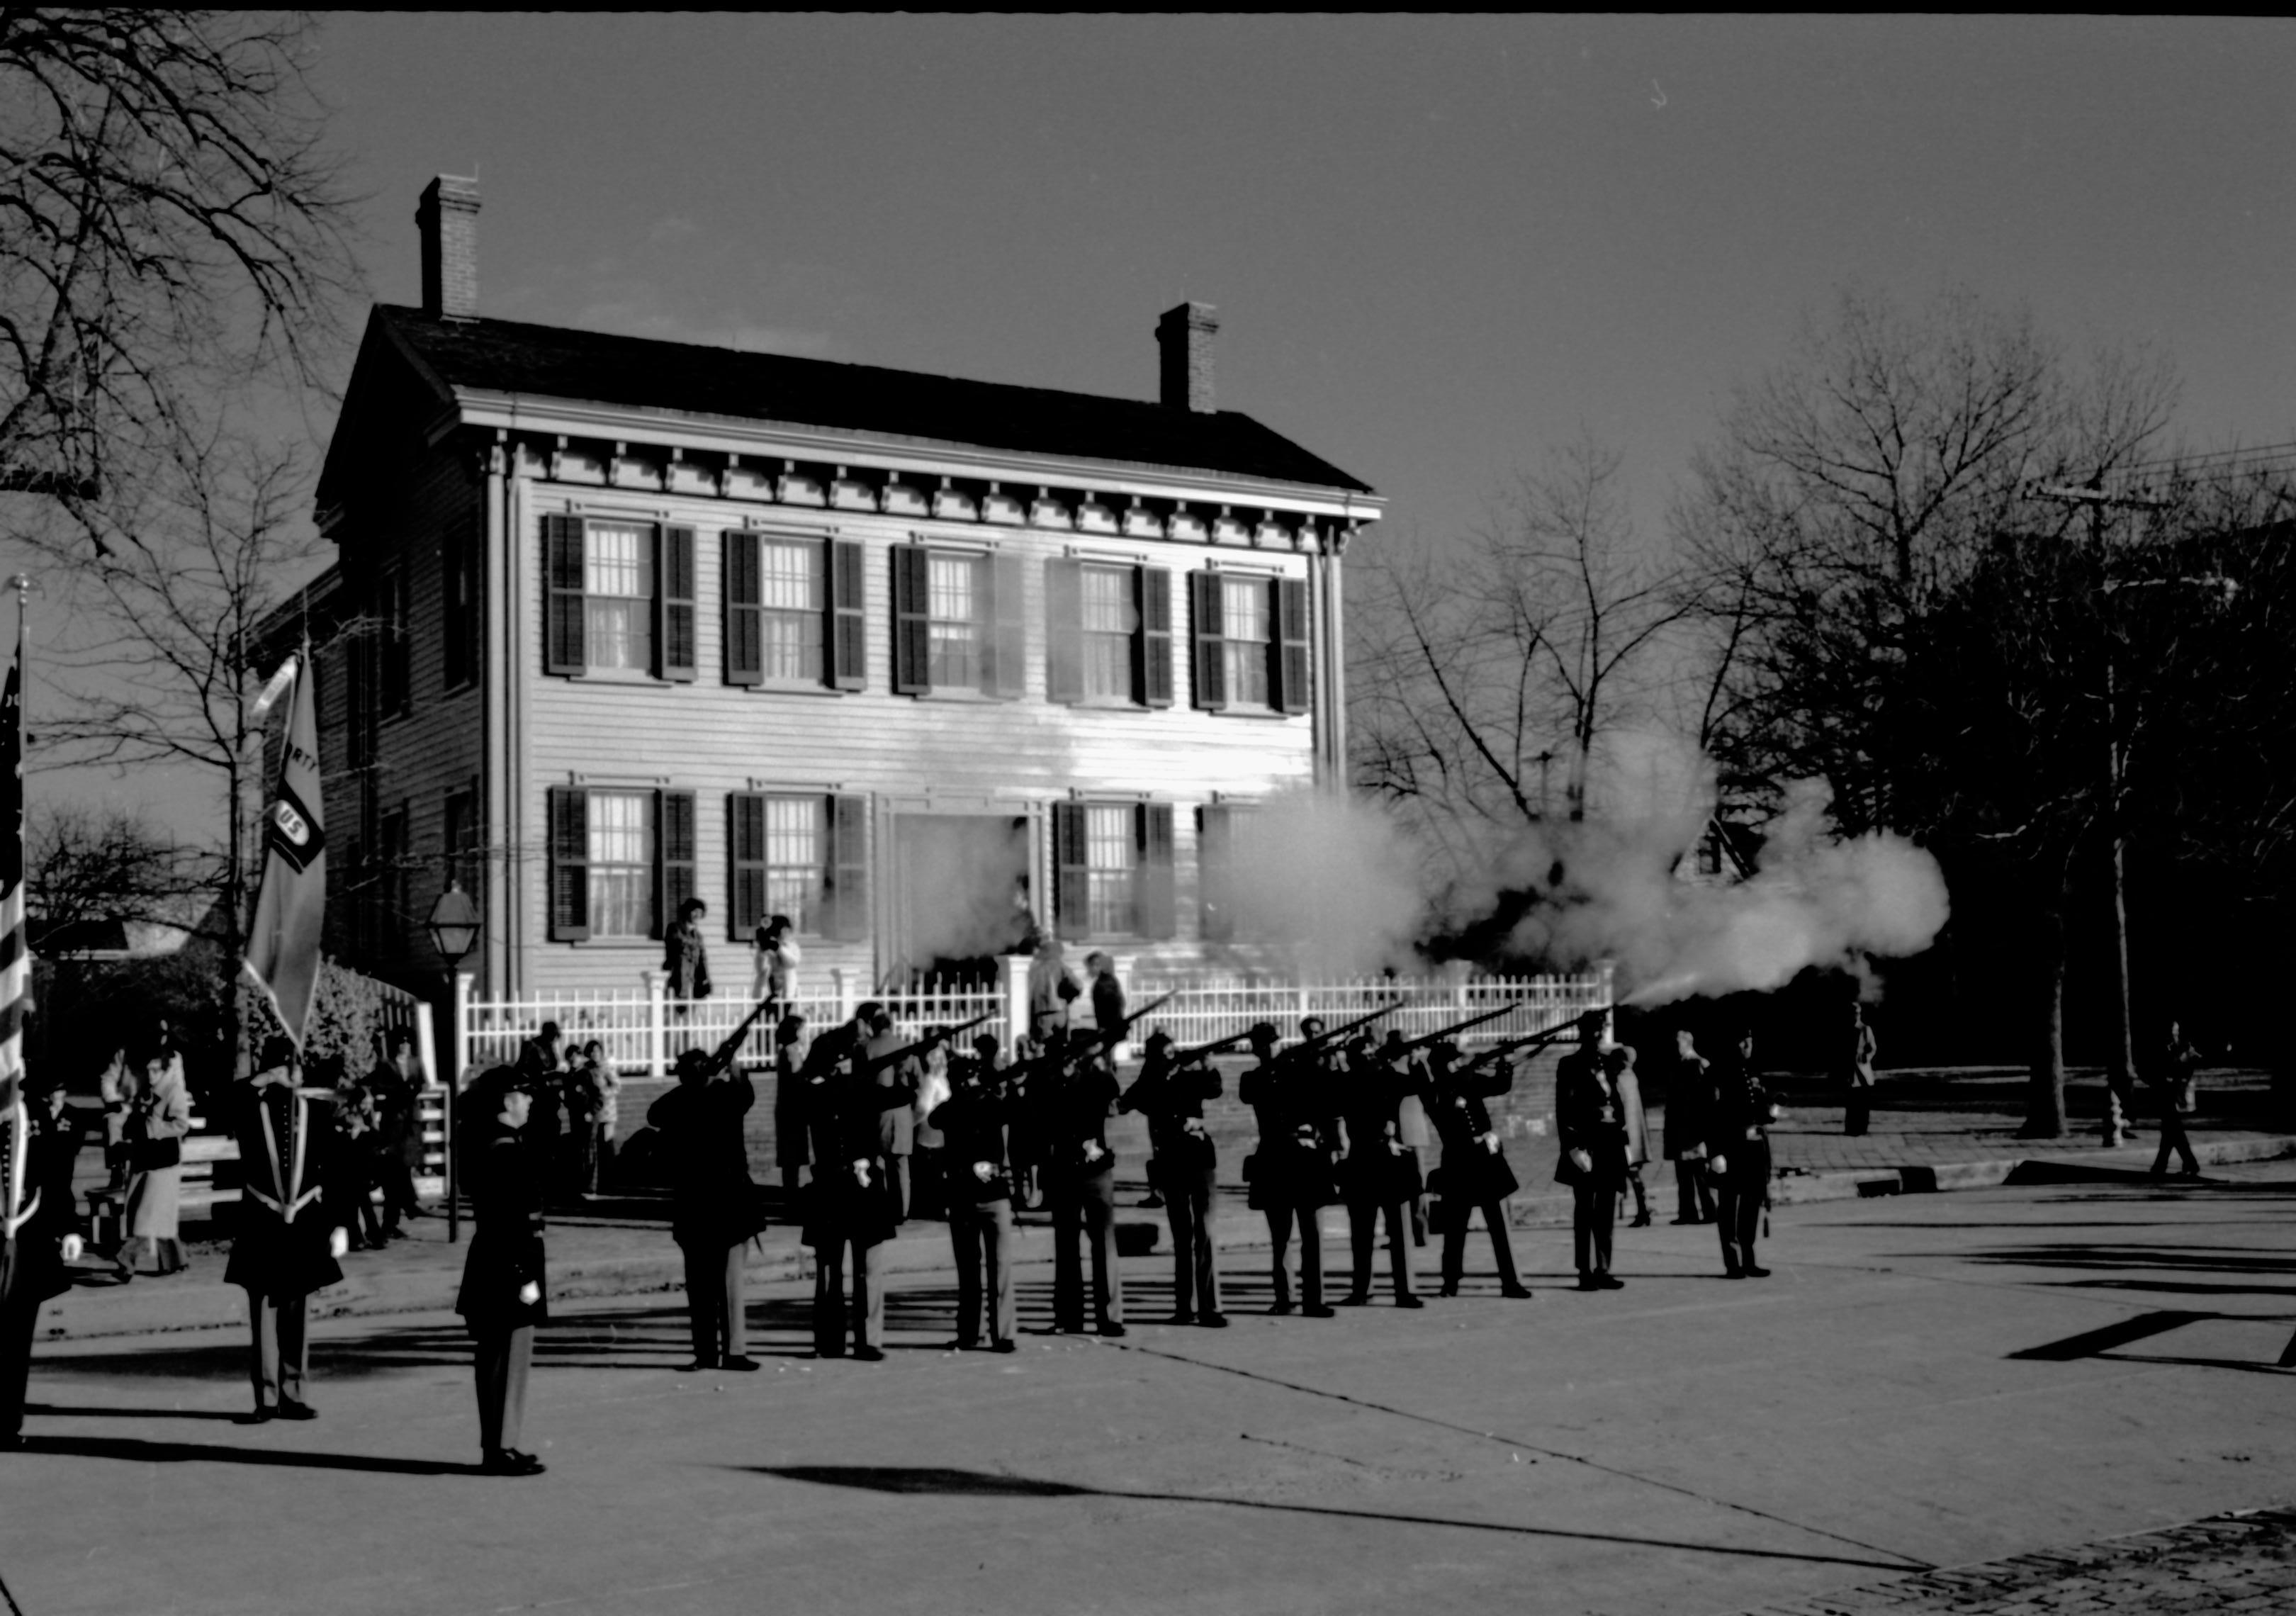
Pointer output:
1927, 1381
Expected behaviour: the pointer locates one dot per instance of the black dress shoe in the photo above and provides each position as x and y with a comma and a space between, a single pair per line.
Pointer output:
1586, 1282
740, 1363
1181, 1318
1640, 1223
295, 1411
1517, 1292
1734, 1273
1610, 1282
829, 1352
962, 1346
510, 1462
1449, 1289
697, 1365
1213, 1321
1752, 1272
870, 1354
1112, 1332
1003, 1347
1356, 1299
1318, 1311
1280, 1308
257, 1416
1409, 1302
11, 1441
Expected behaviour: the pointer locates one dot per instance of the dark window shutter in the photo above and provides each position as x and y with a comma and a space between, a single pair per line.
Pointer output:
561, 545
1212, 644
1064, 630
569, 864
1289, 644
1151, 662
1215, 844
912, 627
676, 653
745, 652
1071, 878
1152, 872
1008, 641
847, 663
844, 884
458, 568
675, 855
745, 862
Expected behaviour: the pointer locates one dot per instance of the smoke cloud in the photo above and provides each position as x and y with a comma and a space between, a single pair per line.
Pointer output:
1330, 881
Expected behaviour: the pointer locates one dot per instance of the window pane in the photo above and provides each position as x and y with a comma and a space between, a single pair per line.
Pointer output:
1107, 625
1244, 620
621, 864
793, 848
1108, 859
954, 600
789, 576
617, 588
792, 586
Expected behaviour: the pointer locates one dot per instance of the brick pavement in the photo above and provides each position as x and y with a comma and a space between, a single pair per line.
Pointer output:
2240, 1562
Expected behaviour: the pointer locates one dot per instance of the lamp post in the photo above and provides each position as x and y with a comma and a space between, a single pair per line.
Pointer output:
453, 928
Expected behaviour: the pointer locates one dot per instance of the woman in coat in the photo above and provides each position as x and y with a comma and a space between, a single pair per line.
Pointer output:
159, 1115
502, 1298
1619, 1060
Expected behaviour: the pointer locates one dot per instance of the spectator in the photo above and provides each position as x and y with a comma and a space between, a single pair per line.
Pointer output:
347, 1174
395, 1087
605, 1085
116, 1084
159, 1114
775, 955
1619, 1060
2172, 1078
685, 960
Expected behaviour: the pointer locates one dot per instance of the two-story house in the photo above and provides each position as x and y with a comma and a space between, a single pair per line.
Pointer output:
616, 621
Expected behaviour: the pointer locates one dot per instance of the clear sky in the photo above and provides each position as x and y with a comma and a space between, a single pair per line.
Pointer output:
1436, 246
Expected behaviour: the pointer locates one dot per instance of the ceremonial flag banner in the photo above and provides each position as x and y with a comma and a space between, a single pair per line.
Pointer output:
282, 946
15, 959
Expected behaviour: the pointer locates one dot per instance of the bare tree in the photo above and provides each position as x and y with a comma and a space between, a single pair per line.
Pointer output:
171, 226
1487, 683
85, 865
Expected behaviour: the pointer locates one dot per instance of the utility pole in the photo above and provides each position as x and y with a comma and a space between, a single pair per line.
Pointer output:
2120, 1082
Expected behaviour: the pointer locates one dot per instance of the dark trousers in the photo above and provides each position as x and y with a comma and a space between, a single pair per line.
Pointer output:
1454, 1245
928, 1189
1363, 1233
829, 1312
19, 1315
713, 1302
1634, 1186
1593, 1208
1738, 1217
1083, 1209
1857, 1114
502, 1357
1195, 1258
983, 1236
899, 1178
2173, 1138
1311, 1254
1693, 1194
281, 1353
396, 1179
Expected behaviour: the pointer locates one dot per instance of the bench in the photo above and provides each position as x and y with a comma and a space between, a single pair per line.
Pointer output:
198, 1197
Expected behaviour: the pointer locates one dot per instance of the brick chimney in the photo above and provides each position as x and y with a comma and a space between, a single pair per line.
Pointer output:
1184, 335
448, 218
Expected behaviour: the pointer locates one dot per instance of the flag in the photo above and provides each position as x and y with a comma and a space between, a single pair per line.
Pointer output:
282, 946
15, 959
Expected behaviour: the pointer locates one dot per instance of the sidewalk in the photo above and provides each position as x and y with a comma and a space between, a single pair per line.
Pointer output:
1931, 1132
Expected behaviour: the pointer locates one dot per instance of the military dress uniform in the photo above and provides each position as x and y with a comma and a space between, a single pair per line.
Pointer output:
897, 1126
1590, 1115
1738, 1148
972, 1121
1078, 1093
38, 1146
1689, 1107
281, 1249
1183, 1168
1379, 1177
1474, 1171
851, 1206
505, 1174
715, 1209
1289, 1174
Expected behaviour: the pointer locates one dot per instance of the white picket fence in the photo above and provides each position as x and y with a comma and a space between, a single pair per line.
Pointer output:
642, 1031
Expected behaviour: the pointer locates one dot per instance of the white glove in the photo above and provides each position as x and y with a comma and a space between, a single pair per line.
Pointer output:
1490, 1141
528, 1294
339, 1243
73, 1246
1092, 1151
1720, 1165
861, 1172
1584, 1162
984, 1171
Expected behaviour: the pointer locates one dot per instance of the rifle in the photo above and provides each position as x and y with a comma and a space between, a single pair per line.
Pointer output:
873, 1064
1180, 1057
1102, 1034
723, 1055
1437, 1037
1341, 1030
1528, 1041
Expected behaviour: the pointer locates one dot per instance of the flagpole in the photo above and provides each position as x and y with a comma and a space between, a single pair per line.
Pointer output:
15, 958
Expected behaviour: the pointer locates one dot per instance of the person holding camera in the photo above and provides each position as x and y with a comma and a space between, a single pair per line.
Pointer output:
287, 1242
502, 1300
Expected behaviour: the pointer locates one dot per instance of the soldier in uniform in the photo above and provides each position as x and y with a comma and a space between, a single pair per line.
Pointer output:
792, 1133
852, 1206
1590, 1118
1689, 1104
972, 1122
1290, 1170
502, 1298
287, 1244
1738, 1153
1475, 1172
715, 1209
884, 1058
1183, 1166
1074, 1090
39, 1228
1379, 1176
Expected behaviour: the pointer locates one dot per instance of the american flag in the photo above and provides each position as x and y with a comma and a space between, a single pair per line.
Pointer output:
15, 958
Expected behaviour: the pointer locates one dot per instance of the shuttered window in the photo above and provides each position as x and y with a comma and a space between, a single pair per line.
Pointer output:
847, 646
1250, 643
569, 864
621, 864
845, 899
677, 639
1206, 625
1108, 634
619, 595
1290, 663
1114, 868
617, 603
957, 622
781, 848
778, 621
676, 853
1246, 634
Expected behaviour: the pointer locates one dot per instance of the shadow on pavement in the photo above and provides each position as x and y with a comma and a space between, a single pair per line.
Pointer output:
973, 1483
76, 1411
140, 1452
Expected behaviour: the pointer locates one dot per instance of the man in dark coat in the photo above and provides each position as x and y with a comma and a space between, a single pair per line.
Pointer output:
1290, 1169
972, 1121
715, 1209
1738, 1151
1073, 1090
396, 1084
1380, 1176
39, 1229
1474, 1174
1183, 1167
851, 1207
505, 1174
1590, 1118
891, 1061
792, 1133
287, 1241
